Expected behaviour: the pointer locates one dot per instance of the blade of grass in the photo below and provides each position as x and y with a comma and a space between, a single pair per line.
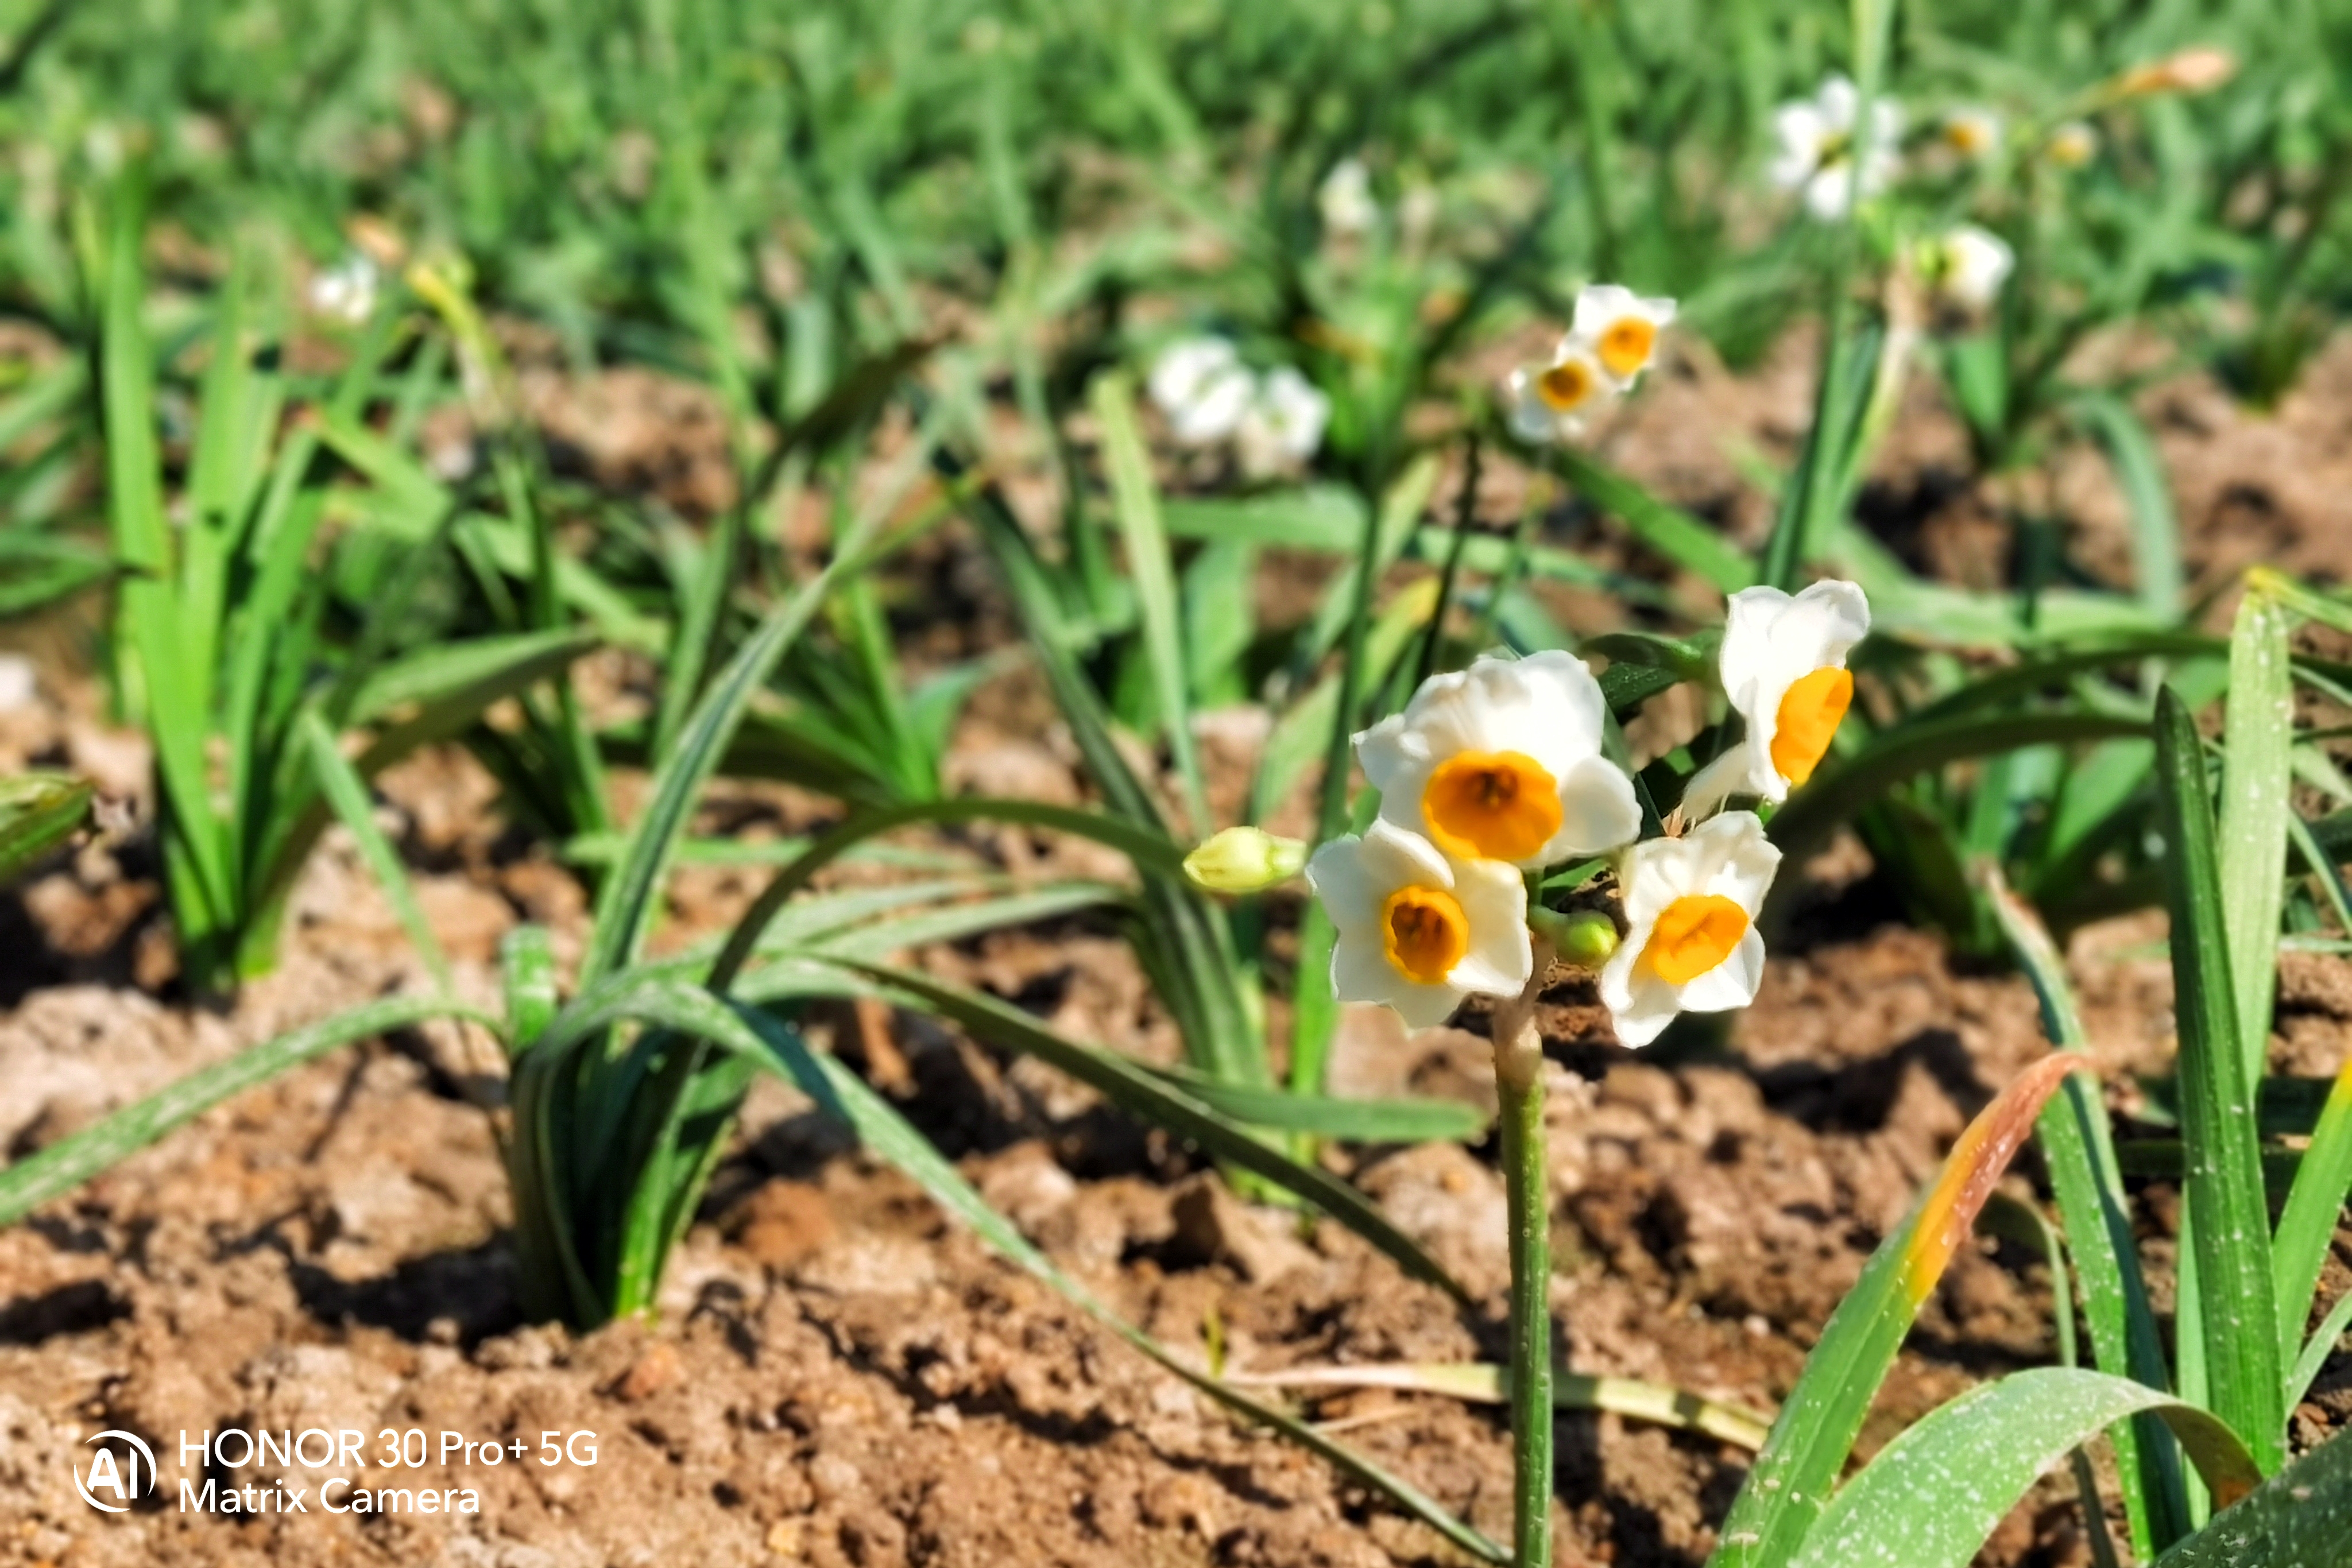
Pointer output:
2315, 1207
2126, 1338
1136, 504
2228, 1211
72, 1161
2148, 496
2258, 729
1791, 1481
348, 794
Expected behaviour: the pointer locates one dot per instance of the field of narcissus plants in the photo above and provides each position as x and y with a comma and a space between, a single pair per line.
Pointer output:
936, 785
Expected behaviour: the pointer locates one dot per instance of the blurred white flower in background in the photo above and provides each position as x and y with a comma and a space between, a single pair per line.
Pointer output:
1816, 152
1619, 329
347, 290
1345, 199
1783, 668
1968, 266
1202, 387
1282, 425
1973, 132
1503, 761
1691, 946
1416, 931
1548, 402
2072, 145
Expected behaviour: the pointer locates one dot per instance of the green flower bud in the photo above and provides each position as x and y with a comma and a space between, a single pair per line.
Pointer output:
1584, 937
1244, 860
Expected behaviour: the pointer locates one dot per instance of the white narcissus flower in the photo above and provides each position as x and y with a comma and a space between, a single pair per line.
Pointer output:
1969, 266
1783, 664
346, 290
1417, 932
1816, 151
1619, 329
1345, 199
1502, 762
1283, 423
1202, 387
1973, 132
1548, 402
1690, 906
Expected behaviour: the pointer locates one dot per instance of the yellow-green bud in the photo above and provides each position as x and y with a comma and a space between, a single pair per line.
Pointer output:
1585, 938
1244, 860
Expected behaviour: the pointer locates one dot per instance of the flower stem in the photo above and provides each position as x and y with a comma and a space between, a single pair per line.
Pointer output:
1518, 1081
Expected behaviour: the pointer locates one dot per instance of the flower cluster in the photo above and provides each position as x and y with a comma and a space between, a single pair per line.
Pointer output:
1817, 154
1274, 420
1493, 774
1610, 343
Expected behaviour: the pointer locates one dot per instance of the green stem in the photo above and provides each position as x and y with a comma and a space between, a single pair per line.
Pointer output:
1518, 1081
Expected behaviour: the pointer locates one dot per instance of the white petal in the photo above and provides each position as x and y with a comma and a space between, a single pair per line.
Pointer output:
1650, 1006
1656, 872
1717, 783
1564, 710
1744, 861
1730, 984
1388, 747
1360, 970
1531, 420
1616, 986
1598, 304
1829, 192
1747, 638
1798, 129
1838, 100
1396, 858
1598, 812
1500, 957
1338, 874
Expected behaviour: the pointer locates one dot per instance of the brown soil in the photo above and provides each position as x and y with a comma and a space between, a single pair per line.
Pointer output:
838, 1378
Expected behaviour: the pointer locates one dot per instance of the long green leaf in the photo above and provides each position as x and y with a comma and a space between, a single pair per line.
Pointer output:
1136, 504
2300, 1518
2126, 1338
348, 794
1682, 539
504, 662
1790, 1482
1166, 1105
1899, 753
2259, 737
1931, 1497
2227, 1213
2315, 1207
72, 1161
2148, 496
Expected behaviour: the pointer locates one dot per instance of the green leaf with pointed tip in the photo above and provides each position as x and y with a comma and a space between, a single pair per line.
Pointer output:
1931, 1497
2228, 1211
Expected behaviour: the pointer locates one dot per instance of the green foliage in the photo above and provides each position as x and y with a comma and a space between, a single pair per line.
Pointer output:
38, 811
